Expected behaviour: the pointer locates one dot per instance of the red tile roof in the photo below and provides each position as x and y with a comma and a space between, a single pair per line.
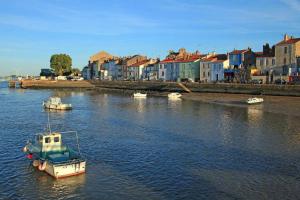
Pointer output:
168, 60
210, 59
239, 51
139, 63
192, 58
290, 41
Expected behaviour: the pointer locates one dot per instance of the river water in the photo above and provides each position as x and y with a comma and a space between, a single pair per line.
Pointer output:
152, 149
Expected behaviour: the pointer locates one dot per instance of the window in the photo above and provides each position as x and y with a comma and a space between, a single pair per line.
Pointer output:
162, 73
284, 61
267, 62
208, 74
56, 139
40, 138
261, 62
47, 140
203, 74
285, 50
273, 61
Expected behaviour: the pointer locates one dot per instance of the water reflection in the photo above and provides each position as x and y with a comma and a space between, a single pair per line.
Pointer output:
140, 104
153, 148
255, 114
69, 184
67, 93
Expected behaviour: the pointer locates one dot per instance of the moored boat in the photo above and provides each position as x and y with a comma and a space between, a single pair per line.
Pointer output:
56, 104
254, 100
139, 95
174, 95
49, 154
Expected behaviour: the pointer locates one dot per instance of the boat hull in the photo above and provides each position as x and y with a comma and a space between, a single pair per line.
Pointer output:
255, 101
57, 107
66, 169
138, 95
174, 96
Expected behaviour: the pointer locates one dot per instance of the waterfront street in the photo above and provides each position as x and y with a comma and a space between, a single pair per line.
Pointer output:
154, 148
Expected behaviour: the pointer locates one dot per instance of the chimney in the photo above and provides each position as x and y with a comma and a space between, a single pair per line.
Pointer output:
286, 37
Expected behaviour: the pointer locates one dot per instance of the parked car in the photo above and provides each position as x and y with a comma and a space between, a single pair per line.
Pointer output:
62, 78
280, 81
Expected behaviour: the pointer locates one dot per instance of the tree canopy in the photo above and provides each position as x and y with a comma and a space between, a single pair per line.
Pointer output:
76, 71
61, 64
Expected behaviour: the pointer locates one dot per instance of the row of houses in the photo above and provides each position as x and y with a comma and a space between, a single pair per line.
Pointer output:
280, 60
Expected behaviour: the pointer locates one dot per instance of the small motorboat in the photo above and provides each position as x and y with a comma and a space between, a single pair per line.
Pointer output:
254, 100
56, 104
139, 95
174, 95
48, 153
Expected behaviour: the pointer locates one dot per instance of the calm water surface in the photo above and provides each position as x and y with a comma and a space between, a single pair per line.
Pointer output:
152, 149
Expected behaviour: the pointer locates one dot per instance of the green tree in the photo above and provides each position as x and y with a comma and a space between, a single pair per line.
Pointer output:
61, 64
76, 71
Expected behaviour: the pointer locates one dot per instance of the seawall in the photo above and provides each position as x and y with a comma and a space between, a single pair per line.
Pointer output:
46, 84
278, 90
156, 86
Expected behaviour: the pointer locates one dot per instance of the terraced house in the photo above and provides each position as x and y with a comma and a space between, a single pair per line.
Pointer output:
135, 71
212, 67
287, 52
95, 63
180, 66
151, 71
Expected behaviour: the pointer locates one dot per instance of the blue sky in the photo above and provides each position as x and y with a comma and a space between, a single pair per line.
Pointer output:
32, 30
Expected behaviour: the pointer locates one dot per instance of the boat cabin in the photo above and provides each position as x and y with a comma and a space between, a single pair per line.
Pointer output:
50, 142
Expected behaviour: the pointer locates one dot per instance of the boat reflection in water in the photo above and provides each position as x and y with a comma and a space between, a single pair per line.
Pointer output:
255, 114
140, 103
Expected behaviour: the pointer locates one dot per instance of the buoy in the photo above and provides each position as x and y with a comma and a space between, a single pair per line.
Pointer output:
25, 149
36, 163
42, 166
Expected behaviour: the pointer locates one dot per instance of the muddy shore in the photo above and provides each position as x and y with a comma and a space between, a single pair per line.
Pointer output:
274, 104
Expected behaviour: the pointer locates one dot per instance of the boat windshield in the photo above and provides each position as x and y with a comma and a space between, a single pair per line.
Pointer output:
39, 139
55, 100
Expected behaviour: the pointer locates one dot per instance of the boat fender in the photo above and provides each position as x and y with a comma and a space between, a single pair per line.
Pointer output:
36, 163
25, 149
42, 166
29, 156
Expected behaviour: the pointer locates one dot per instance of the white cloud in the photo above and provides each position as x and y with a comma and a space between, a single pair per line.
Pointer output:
294, 4
58, 19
